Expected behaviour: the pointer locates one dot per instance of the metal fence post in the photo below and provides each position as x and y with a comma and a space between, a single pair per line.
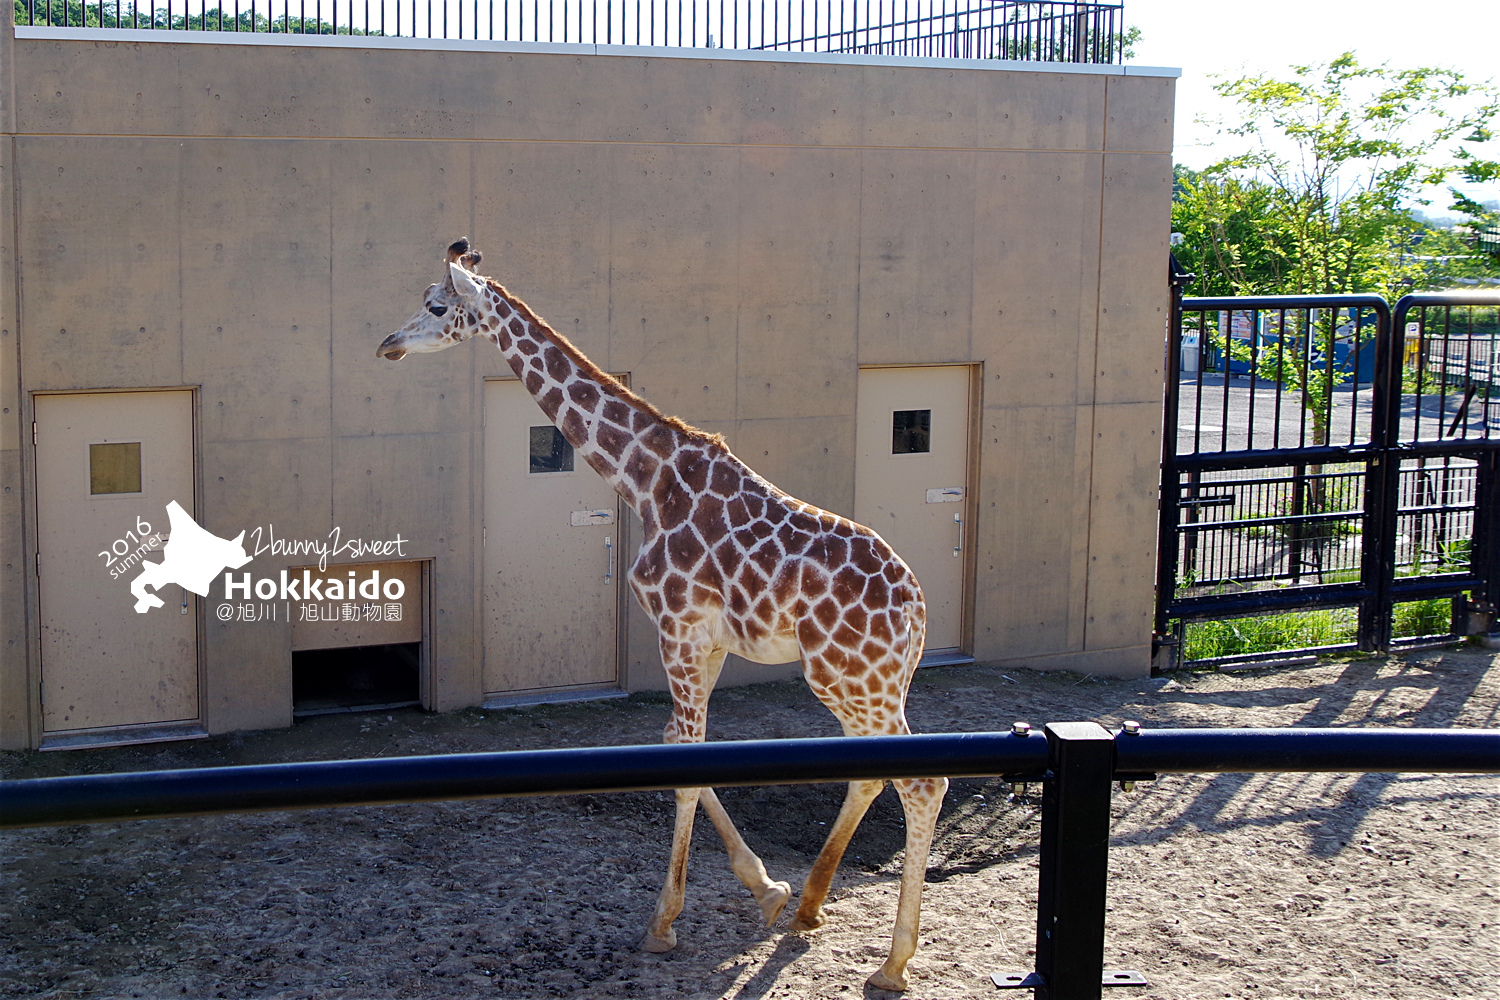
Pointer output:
1382, 485
1074, 862
1170, 500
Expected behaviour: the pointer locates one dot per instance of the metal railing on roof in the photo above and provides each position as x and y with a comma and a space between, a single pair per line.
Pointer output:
962, 29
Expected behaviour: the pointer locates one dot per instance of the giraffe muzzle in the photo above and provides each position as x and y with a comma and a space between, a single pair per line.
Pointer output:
390, 351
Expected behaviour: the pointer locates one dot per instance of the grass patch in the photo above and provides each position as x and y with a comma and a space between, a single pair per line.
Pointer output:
1269, 633
1414, 618
1296, 630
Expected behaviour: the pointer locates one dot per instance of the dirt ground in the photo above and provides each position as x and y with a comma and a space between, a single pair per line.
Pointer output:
1233, 886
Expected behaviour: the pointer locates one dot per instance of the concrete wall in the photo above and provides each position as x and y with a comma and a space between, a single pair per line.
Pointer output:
737, 232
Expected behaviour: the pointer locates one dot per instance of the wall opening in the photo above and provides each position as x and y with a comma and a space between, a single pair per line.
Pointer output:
356, 679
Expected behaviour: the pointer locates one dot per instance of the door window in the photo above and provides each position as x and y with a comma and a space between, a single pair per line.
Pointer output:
550, 451
115, 467
911, 432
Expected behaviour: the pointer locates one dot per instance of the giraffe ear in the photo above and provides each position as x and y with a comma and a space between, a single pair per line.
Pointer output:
466, 287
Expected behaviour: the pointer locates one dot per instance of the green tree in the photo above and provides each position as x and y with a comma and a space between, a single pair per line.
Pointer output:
1226, 241
1321, 200
1483, 219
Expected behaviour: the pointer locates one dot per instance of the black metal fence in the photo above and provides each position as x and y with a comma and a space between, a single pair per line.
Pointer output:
1076, 762
961, 29
1327, 452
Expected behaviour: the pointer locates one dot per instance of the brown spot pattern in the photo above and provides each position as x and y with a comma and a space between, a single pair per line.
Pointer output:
660, 440
708, 520
692, 466
673, 506
641, 468
551, 401
613, 440
725, 481
558, 366
684, 549
584, 394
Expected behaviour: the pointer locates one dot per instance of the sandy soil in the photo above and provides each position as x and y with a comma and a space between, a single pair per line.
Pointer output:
1222, 886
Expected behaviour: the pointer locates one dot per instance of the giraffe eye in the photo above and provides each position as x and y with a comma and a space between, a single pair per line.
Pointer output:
437, 310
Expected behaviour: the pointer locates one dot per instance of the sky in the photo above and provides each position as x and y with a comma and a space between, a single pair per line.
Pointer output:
1233, 39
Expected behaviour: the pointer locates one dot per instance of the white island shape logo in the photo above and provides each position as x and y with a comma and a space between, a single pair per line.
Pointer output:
193, 556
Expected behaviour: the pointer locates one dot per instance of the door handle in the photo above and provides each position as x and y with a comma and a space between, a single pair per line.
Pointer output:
609, 565
958, 520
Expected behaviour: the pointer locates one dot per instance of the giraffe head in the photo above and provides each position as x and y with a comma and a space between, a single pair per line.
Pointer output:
448, 309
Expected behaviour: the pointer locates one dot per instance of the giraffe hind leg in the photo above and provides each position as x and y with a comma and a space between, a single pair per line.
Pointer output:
856, 802
922, 799
860, 712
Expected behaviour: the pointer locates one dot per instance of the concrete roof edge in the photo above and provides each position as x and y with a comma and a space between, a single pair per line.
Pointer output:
157, 35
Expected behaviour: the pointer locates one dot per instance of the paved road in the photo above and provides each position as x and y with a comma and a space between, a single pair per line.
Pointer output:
1217, 416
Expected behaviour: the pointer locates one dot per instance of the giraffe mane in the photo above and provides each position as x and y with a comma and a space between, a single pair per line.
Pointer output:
606, 381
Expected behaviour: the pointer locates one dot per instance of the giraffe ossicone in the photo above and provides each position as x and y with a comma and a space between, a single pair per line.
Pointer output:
728, 563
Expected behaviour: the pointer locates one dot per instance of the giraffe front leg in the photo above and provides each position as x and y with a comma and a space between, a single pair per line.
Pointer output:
691, 672
772, 896
659, 934
921, 798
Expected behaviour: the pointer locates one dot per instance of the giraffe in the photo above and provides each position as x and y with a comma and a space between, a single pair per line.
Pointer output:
727, 563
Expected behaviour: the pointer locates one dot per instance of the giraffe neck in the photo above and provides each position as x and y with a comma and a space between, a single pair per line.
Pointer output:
620, 435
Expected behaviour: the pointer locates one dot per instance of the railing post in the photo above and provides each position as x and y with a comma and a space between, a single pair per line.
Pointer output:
1074, 862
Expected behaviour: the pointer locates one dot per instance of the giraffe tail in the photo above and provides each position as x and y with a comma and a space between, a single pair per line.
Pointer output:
915, 613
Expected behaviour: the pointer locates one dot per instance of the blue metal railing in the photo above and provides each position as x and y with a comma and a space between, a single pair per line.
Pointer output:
1076, 762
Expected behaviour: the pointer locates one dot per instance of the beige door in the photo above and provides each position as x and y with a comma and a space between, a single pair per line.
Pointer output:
551, 532
911, 476
108, 464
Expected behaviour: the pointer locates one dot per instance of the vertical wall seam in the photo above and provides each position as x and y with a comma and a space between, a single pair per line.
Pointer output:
1093, 417
478, 501
332, 438
181, 285
739, 284
859, 272
30, 597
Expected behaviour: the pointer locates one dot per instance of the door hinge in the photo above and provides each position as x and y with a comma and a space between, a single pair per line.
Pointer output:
33, 433
38, 563
484, 537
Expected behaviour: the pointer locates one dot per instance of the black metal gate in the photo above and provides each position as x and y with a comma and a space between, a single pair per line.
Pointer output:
1327, 454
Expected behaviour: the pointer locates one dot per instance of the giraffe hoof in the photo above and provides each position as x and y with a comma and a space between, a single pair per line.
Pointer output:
658, 945
806, 922
881, 981
773, 900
